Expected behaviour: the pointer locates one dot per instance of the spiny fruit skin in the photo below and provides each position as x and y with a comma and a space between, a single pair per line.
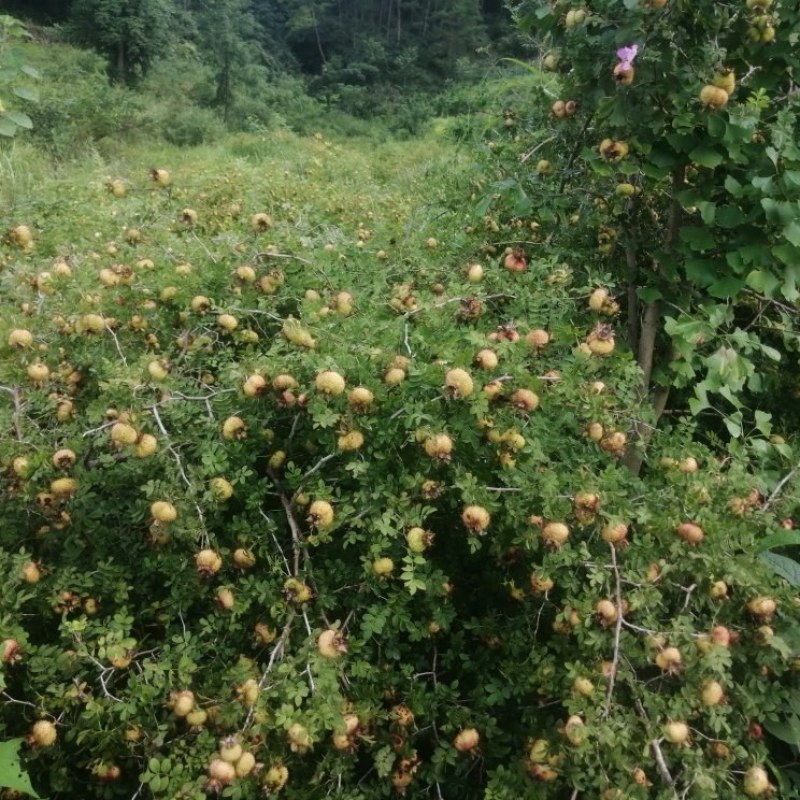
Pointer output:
712, 693
21, 338
275, 778
163, 512
439, 446
331, 643
320, 514
360, 399
222, 771
555, 534
756, 782
182, 702
64, 458
383, 567
676, 732
254, 386
524, 400
245, 765
476, 519
330, 383
221, 489
725, 79
713, 97
418, 539
145, 446
234, 428
123, 434
459, 382
261, 222
230, 749
243, 558
762, 607
44, 733
350, 441
208, 562
467, 740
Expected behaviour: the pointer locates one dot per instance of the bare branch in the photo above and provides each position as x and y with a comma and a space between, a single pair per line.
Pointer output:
612, 679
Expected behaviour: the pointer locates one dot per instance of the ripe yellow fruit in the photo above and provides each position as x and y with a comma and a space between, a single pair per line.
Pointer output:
160, 177
439, 446
320, 514
146, 445
234, 428
63, 487
163, 512
459, 382
158, 370
254, 386
676, 732
331, 643
221, 771
712, 693
525, 400
383, 567
123, 434
21, 236
713, 97
725, 79
299, 738
90, 323
44, 733
690, 533
227, 322
221, 488
275, 778
225, 598
208, 562
467, 740
555, 534
38, 372
261, 222
394, 376
350, 441
360, 399
756, 782
244, 558
476, 519
20, 337
245, 765
330, 383
64, 458
486, 359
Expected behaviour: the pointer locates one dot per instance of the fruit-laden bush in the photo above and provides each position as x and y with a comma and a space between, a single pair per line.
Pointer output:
286, 512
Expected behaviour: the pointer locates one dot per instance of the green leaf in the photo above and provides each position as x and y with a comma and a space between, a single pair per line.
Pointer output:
792, 233
20, 119
786, 567
697, 238
762, 281
24, 93
649, 294
706, 156
707, 211
781, 212
788, 731
726, 287
733, 186
30, 71
11, 774
779, 539
7, 127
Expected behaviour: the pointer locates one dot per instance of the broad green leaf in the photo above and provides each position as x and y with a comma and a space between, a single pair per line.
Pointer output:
786, 567
781, 212
707, 211
779, 539
7, 127
725, 288
792, 233
762, 281
698, 238
11, 774
30, 71
26, 93
20, 119
706, 156
733, 186
788, 731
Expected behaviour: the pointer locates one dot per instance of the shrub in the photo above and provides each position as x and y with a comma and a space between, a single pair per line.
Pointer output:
444, 583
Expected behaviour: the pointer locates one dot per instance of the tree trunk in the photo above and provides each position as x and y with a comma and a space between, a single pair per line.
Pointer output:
643, 336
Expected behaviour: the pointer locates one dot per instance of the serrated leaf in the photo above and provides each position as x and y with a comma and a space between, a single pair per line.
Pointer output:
12, 775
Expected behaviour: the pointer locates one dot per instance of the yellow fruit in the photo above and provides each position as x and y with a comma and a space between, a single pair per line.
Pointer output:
713, 97
756, 782
676, 732
234, 428
160, 177
331, 644
227, 322
725, 79
261, 222
21, 236
360, 399
123, 434
221, 488
63, 487
44, 733
21, 338
163, 512
467, 740
243, 558
383, 567
245, 765
208, 562
320, 514
222, 771
38, 372
555, 534
350, 441
146, 445
459, 382
394, 376
476, 519
330, 383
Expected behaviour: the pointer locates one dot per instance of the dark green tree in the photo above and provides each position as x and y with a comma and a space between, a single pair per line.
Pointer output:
130, 33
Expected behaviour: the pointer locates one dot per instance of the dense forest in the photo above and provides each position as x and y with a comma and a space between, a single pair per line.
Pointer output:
409, 43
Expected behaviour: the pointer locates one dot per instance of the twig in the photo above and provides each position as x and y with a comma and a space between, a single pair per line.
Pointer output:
525, 156
202, 244
282, 255
273, 657
15, 397
779, 488
655, 746
10, 699
116, 343
612, 678
318, 465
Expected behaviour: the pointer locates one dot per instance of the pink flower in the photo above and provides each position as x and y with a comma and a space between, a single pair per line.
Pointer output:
626, 56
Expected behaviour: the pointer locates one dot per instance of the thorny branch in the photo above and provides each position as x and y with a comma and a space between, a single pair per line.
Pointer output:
617, 631
779, 488
655, 746
17, 400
